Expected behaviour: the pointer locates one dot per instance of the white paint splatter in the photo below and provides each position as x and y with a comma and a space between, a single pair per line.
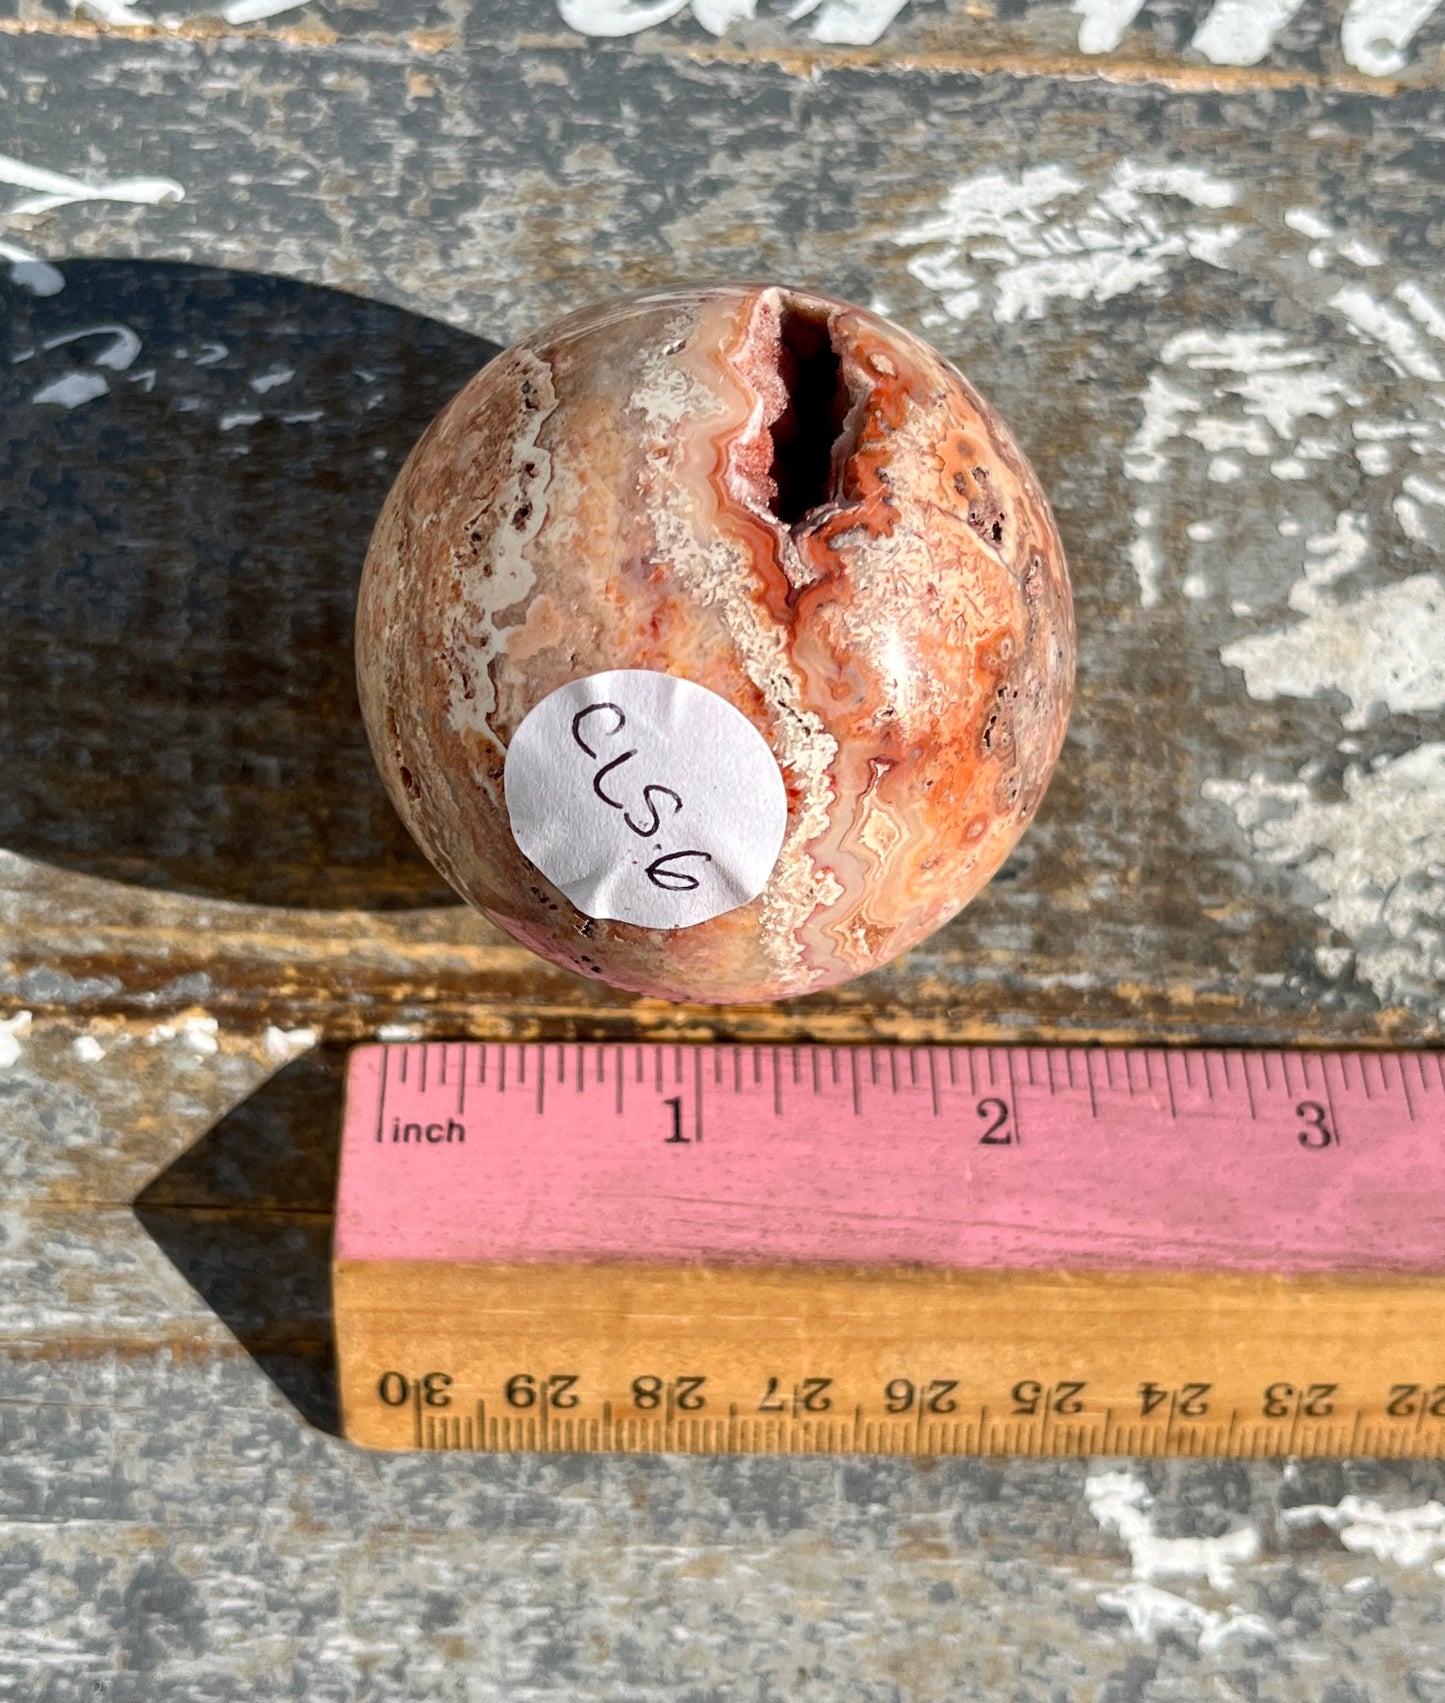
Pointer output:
1164, 405
55, 189
1412, 522
229, 422
1385, 649
1121, 1503
119, 353
1329, 556
31, 272
1308, 223
1361, 253
1152, 1611
1278, 384
1230, 403
1434, 495
1235, 32
1259, 391
285, 1044
253, 11
854, 23
72, 390
199, 1034
1375, 33
1104, 23
1187, 183
1241, 32
87, 1049
848, 23
1376, 856
719, 16
1257, 379
1216, 435
1422, 309
954, 283
1147, 562
617, 17
1410, 1537
1373, 438
1330, 244
271, 379
197, 1031
1396, 336
12, 1032
113, 12
1039, 252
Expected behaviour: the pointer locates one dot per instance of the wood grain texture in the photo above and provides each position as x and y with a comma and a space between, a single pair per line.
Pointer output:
1172, 42
168, 1516
768, 1359
1209, 320
1178, 876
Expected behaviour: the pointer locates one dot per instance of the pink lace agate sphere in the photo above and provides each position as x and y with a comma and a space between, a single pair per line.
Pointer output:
775, 497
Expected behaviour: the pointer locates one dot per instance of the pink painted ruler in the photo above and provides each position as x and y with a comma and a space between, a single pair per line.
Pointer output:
962, 1158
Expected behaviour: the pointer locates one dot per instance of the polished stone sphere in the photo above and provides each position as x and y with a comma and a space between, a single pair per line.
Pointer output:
717, 642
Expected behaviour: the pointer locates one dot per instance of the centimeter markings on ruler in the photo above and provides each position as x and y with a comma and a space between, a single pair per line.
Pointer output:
887, 1249
1233, 1433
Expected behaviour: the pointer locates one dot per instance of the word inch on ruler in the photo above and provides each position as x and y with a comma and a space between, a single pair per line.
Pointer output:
960, 1249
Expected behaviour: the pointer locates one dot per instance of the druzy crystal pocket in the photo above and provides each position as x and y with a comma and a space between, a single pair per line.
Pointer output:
777, 498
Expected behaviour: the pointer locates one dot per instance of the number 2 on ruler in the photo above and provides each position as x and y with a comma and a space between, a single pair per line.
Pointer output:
1000, 1132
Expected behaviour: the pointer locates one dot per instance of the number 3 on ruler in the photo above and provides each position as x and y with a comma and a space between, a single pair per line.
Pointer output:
1317, 1131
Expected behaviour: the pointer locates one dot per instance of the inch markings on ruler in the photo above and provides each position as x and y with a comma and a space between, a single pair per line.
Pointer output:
898, 1250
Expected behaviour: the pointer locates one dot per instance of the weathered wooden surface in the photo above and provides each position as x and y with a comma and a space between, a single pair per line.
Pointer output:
1206, 294
1251, 601
1375, 45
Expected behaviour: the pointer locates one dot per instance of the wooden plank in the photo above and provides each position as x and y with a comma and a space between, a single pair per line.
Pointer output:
171, 1529
1220, 44
136, 1245
1236, 415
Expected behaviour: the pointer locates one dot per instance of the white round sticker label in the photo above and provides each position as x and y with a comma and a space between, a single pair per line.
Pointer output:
646, 799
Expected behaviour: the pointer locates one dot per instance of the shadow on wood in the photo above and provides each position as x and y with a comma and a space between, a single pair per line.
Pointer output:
191, 460
245, 1217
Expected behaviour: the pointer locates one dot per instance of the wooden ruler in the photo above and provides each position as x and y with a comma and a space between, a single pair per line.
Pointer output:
939, 1250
